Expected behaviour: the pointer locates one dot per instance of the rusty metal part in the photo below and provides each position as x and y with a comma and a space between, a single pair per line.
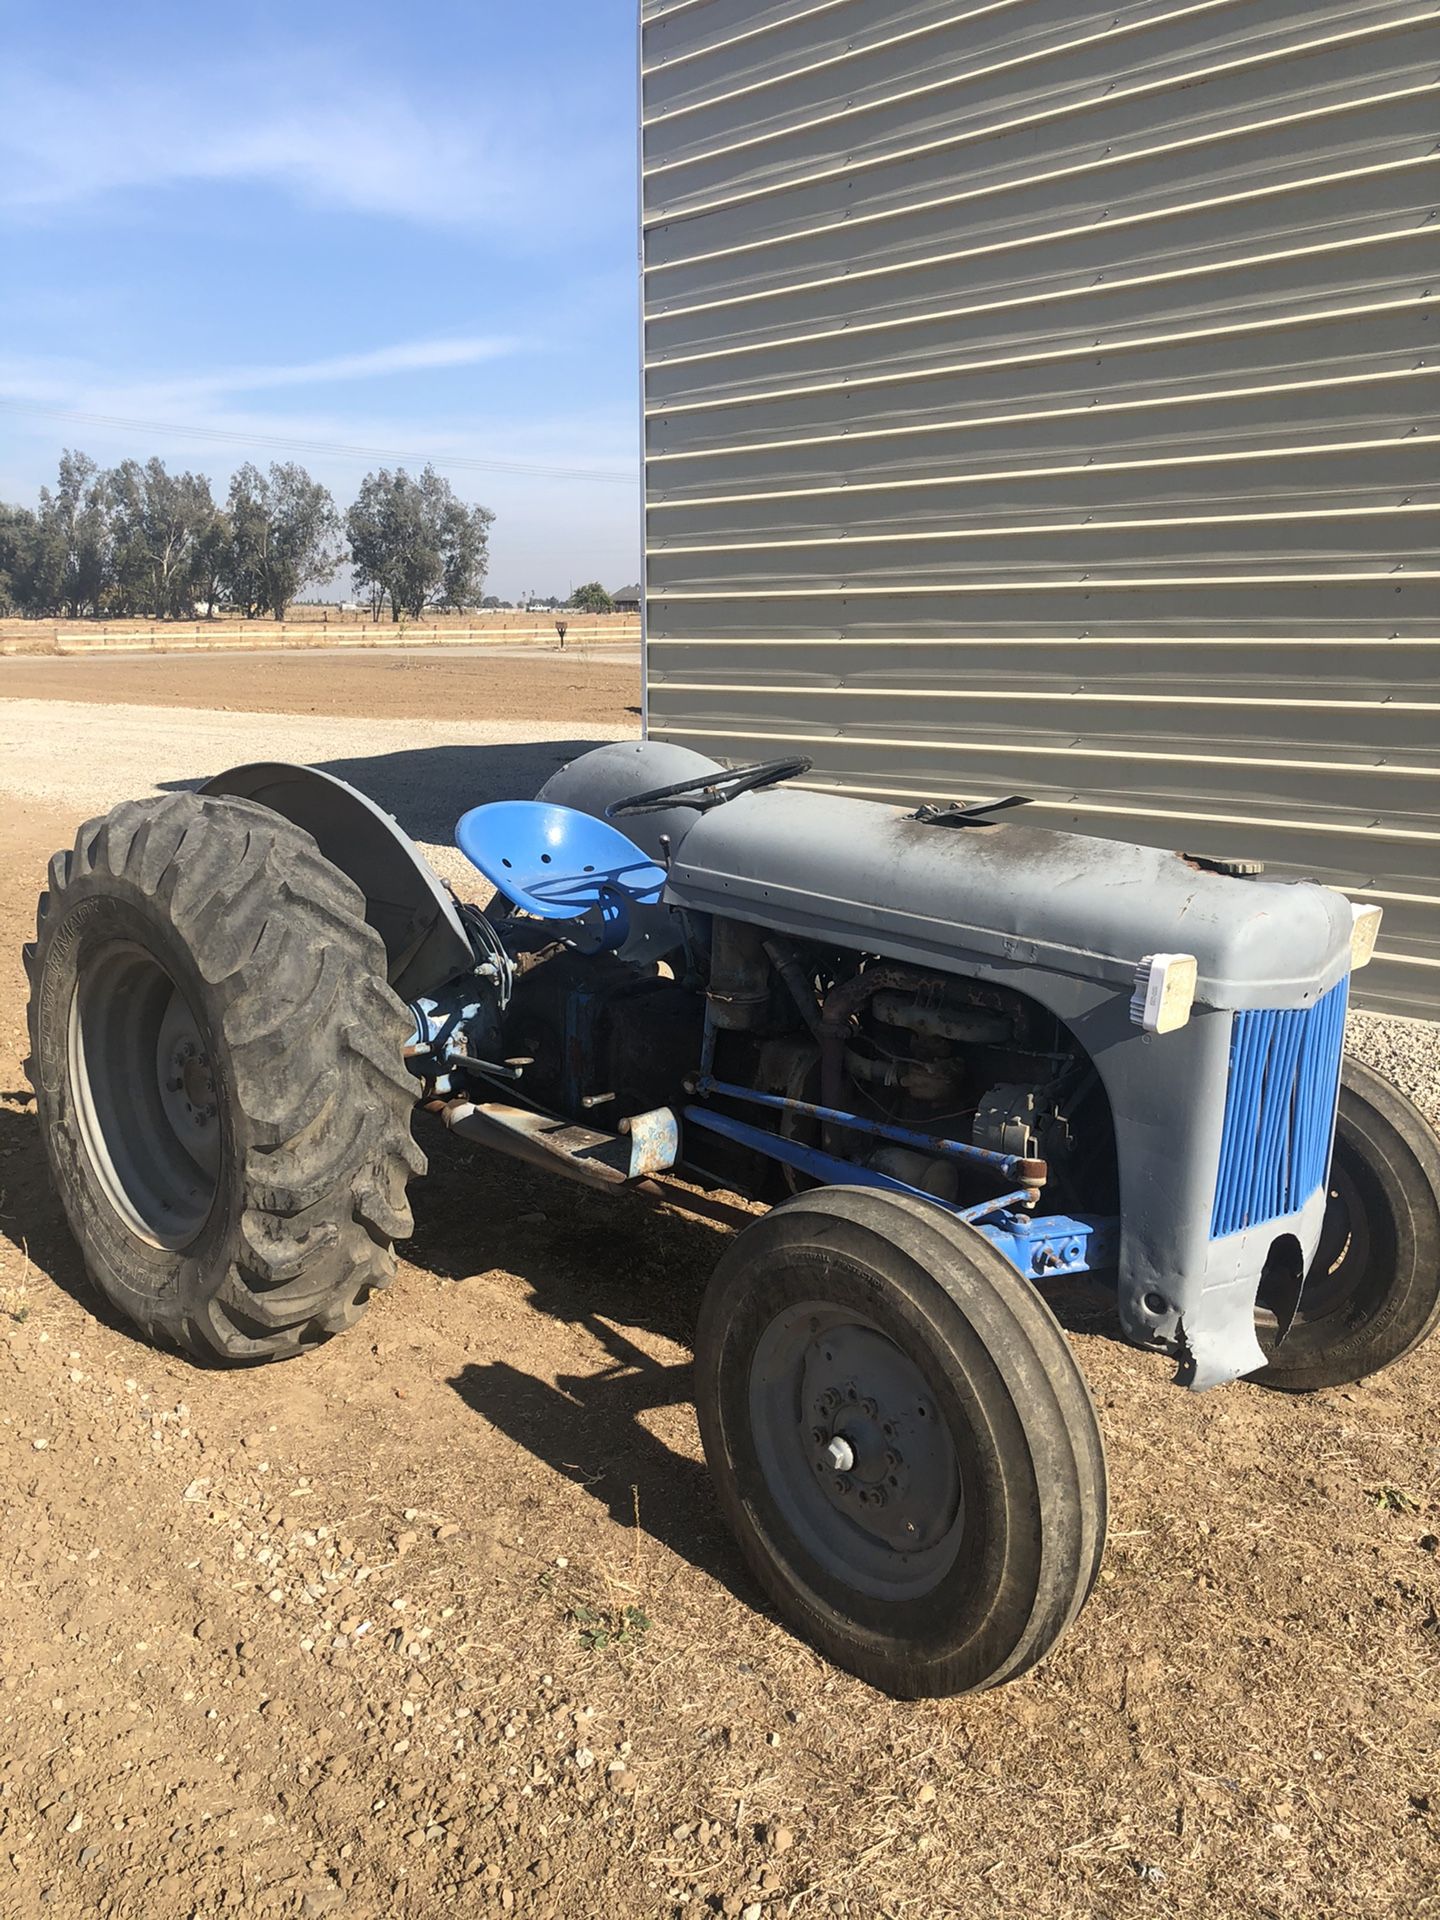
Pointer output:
923, 1079
739, 991
844, 1002
580, 1153
669, 1193
654, 1141
786, 962
975, 1025
1234, 866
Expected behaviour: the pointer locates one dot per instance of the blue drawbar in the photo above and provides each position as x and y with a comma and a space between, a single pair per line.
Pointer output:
1279, 1110
555, 862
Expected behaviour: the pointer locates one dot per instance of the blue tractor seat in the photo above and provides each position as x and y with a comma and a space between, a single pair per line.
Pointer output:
555, 862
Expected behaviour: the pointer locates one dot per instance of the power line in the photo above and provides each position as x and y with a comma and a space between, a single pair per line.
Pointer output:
460, 463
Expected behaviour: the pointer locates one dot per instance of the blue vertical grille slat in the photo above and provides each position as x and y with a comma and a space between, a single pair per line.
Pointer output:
1279, 1110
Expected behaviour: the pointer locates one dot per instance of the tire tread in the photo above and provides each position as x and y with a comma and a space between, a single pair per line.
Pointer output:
315, 1039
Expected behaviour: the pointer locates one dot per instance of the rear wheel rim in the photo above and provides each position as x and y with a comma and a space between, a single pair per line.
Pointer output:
855, 1452
145, 1102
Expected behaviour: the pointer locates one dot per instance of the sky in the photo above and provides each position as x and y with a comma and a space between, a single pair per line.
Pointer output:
357, 236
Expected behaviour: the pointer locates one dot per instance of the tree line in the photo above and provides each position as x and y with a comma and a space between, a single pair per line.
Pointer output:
136, 539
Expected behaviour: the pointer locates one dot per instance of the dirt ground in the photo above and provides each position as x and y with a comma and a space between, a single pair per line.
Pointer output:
441, 1620
600, 688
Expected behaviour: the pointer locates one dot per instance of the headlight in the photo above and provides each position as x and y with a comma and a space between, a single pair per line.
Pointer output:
1164, 991
1364, 932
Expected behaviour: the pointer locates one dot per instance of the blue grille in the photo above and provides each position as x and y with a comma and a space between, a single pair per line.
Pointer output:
1279, 1110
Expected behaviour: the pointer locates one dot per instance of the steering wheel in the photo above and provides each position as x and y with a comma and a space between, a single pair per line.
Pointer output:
710, 790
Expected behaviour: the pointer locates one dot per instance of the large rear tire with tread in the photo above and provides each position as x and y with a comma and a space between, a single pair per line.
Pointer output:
901, 1440
218, 1070
1372, 1293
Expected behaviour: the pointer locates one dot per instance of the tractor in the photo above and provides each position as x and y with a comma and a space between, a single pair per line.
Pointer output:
958, 1059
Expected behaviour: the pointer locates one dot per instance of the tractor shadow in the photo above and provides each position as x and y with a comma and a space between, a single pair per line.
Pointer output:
628, 1272
34, 1226
588, 1429
615, 1265
428, 788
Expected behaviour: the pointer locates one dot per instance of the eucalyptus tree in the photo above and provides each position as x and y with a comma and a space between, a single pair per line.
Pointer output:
415, 543
284, 537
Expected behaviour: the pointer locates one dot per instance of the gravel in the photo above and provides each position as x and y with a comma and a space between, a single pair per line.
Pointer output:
1407, 1052
425, 772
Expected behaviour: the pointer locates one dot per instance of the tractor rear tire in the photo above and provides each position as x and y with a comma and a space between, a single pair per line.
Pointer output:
219, 1076
901, 1440
1373, 1290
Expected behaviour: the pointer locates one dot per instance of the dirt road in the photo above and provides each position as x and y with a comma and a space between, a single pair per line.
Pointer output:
441, 1620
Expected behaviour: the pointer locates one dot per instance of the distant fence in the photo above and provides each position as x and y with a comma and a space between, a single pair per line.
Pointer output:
309, 635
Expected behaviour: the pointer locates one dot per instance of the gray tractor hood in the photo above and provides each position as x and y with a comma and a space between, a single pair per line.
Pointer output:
1066, 919
875, 879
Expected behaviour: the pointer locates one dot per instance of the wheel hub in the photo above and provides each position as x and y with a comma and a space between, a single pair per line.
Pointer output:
190, 1077
880, 1455
855, 1451
186, 1080
146, 1103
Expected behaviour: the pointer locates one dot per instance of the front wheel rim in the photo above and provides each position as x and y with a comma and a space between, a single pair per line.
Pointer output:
1343, 1258
855, 1452
145, 1101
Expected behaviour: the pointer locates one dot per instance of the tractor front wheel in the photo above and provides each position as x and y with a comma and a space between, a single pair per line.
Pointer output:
218, 1070
901, 1440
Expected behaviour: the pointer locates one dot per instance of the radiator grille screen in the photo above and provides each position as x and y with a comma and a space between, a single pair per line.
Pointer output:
1279, 1110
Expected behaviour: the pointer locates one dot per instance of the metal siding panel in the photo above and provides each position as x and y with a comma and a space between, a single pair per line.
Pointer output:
1023, 148
1185, 234
1041, 400
1392, 115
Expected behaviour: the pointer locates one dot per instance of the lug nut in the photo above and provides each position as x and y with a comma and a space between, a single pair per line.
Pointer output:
869, 1409
843, 1483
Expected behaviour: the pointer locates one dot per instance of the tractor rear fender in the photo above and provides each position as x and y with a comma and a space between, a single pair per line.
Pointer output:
594, 781
425, 943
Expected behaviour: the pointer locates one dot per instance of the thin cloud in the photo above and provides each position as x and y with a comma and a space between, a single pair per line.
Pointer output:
317, 137
86, 388
408, 356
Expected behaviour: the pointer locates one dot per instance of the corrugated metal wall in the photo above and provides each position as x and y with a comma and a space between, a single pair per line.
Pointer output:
1041, 398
